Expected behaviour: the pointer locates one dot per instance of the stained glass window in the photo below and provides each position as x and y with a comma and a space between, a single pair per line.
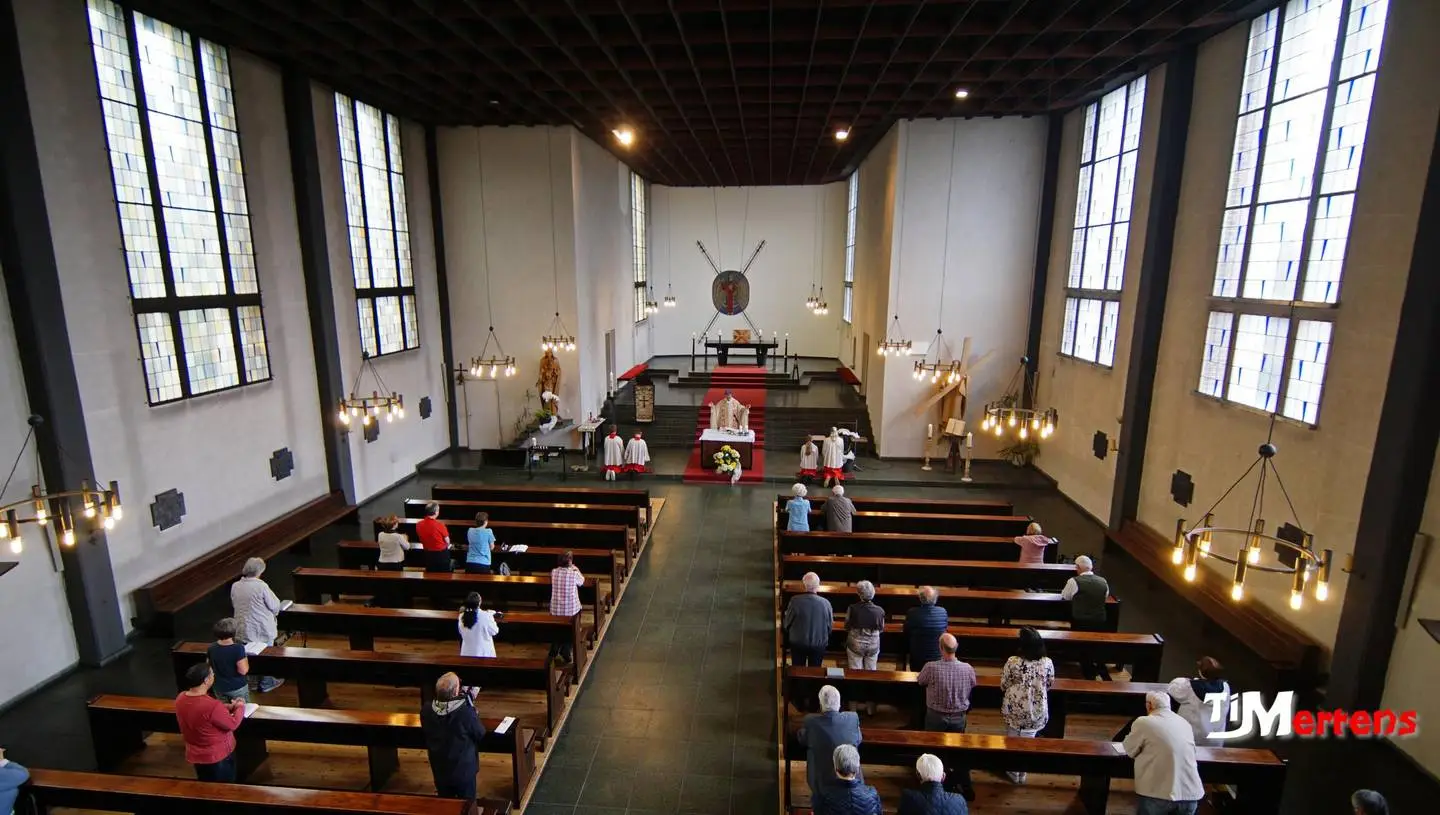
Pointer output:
640, 242
852, 206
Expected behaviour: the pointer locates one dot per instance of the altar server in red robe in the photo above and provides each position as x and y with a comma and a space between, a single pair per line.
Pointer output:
809, 460
614, 453
637, 455
833, 457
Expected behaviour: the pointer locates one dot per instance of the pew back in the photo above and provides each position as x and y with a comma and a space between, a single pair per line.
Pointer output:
916, 571
887, 544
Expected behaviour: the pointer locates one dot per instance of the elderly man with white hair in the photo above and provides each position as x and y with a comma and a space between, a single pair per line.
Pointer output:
808, 621
849, 795
839, 511
1087, 593
931, 798
821, 733
255, 610
1167, 780
923, 626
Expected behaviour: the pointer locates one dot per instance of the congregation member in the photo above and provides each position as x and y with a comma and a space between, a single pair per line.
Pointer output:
864, 621
393, 545
797, 510
923, 626
1364, 802
565, 583
1167, 779
435, 540
931, 798
230, 663
1087, 593
479, 543
1032, 544
1189, 695
821, 733
1025, 684
809, 461
848, 795
832, 457
12, 778
208, 726
807, 624
839, 511
948, 683
614, 454
255, 608
477, 628
453, 734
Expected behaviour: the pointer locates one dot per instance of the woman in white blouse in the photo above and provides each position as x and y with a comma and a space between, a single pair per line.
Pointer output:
477, 629
392, 545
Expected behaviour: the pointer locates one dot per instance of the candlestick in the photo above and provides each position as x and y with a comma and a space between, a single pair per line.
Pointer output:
929, 431
969, 440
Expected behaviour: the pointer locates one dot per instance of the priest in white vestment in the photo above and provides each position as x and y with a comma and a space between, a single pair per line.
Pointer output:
729, 414
614, 453
809, 460
832, 457
637, 455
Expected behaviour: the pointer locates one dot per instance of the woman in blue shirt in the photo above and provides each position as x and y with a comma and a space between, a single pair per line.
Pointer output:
798, 510
479, 542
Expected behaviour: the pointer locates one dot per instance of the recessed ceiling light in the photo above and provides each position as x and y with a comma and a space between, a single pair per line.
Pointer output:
494, 101
842, 133
961, 93
624, 135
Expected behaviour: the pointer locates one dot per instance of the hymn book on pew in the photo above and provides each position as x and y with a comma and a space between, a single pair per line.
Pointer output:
504, 726
250, 708
254, 648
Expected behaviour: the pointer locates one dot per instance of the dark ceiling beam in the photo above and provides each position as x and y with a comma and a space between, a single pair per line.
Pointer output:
830, 111
739, 103
704, 95
804, 89
664, 83
615, 106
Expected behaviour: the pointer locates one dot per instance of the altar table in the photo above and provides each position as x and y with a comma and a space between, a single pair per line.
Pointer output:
723, 349
712, 440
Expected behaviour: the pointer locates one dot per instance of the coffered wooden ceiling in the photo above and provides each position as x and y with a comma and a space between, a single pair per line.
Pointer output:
719, 92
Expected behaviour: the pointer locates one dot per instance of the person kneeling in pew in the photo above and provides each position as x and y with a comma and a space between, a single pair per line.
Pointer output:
453, 733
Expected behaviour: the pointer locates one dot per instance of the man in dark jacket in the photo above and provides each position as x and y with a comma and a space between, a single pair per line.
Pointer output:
923, 626
931, 798
847, 794
452, 738
824, 731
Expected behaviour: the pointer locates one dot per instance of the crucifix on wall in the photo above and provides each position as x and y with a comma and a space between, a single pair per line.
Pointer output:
730, 290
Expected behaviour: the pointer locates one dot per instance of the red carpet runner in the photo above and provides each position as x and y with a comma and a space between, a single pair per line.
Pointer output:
747, 384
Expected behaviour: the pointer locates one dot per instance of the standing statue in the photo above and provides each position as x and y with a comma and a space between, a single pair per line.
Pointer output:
549, 381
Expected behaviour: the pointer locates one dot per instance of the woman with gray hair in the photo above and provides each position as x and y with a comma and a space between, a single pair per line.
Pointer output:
863, 623
256, 607
1369, 802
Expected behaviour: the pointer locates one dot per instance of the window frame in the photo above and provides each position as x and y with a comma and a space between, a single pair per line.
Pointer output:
852, 220
372, 294
640, 247
172, 304
1295, 310
1079, 295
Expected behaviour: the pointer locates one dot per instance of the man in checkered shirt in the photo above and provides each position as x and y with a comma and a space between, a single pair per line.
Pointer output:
565, 583
948, 683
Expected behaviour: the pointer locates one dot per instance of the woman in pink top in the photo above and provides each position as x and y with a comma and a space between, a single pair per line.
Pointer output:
1032, 544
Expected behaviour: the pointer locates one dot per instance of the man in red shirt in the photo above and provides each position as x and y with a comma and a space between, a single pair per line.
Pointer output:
208, 726
435, 539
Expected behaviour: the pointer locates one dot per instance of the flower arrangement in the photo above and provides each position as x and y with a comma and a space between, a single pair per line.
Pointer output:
727, 462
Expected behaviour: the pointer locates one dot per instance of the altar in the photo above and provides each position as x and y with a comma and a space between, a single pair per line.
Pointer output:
723, 349
742, 441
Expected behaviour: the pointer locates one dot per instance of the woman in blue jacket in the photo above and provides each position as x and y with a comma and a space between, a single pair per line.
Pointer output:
12, 776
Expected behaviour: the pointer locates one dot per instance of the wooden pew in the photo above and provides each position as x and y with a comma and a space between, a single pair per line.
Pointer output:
157, 602
924, 506
923, 523
996, 605
398, 589
118, 725
174, 796
1259, 774
894, 544
540, 512
362, 624
900, 689
314, 668
639, 500
560, 536
917, 572
534, 560
1140, 651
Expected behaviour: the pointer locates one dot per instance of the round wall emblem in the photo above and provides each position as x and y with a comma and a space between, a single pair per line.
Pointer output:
730, 292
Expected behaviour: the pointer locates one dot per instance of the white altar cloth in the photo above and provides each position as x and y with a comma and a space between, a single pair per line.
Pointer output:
728, 436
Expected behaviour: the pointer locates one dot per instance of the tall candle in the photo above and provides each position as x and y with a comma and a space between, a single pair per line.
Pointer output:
969, 439
929, 431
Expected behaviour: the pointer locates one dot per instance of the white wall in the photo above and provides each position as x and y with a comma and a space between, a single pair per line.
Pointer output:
215, 449
804, 231
1091, 397
415, 373
37, 639
603, 272
874, 227
993, 194
1324, 467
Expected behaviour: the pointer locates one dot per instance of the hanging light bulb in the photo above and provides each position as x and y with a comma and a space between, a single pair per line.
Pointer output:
1190, 573
1012, 420
1023, 432
1035, 423
999, 430
1322, 579
1177, 555
116, 510
1237, 589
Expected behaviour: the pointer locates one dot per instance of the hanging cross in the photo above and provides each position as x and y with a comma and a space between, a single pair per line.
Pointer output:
730, 292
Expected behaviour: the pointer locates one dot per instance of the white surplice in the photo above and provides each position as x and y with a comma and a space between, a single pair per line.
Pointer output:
614, 451
637, 452
834, 452
809, 456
